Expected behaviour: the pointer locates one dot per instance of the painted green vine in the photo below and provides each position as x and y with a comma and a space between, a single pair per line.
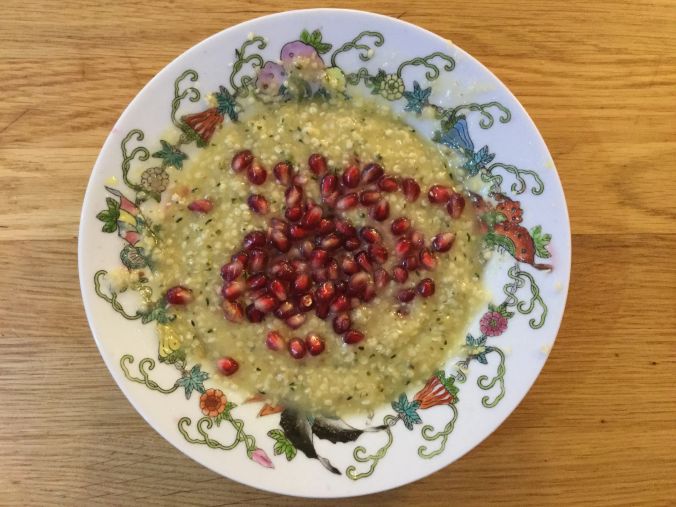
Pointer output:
360, 455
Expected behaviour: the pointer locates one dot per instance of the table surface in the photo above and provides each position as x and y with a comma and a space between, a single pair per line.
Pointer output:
599, 80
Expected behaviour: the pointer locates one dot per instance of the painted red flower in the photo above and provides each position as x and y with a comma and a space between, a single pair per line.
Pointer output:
493, 324
439, 390
213, 402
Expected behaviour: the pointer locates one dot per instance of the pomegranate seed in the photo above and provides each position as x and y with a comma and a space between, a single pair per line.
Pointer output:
241, 161
372, 173
299, 266
319, 258
256, 173
351, 244
388, 184
314, 344
280, 241
277, 289
257, 260
201, 206
283, 269
340, 303
241, 257
306, 303
296, 348
285, 310
302, 283
311, 218
277, 224
399, 274
232, 310
299, 180
294, 213
380, 211
369, 293
297, 232
411, 263
293, 195
348, 201
331, 199
378, 253
332, 270
364, 262
369, 197
258, 204
227, 366
232, 270
254, 239
455, 205
358, 281
325, 226
306, 248
370, 235
232, 290
443, 242
427, 259
406, 295
341, 286
351, 176
411, 189
322, 310
283, 172
317, 164
381, 277
349, 265
402, 247
296, 320
425, 287
417, 239
325, 292
345, 228
331, 241
253, 314
320, 275
274, 340
353, 336
179, 295
438, 194
400, 226
341, 323
328, 185
265, 303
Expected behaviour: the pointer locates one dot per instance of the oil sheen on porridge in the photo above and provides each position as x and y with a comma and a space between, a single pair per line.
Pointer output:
408, 329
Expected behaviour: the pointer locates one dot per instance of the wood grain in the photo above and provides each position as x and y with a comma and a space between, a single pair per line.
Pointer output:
598, 427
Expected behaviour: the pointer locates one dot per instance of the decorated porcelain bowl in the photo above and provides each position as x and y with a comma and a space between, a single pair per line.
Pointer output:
448, 97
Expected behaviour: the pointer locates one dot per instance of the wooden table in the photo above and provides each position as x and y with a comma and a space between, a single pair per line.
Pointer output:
598, 78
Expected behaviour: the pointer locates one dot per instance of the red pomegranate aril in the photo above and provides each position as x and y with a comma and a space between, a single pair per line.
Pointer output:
364, 262
328, 185
294, 213
371, 173
306, 303
417, 239
351, 244
455, 205
256, 173
349, 265
277, 289
380, 211
299, 267
332, 270
400, 226
345, 228
311, 218
302, 283
280, 241
277, 224
322, 310
427, 259
283, 172
299, 179
254, 239
297, 348
369, 197
399, 274
232, 270
353, 336
347, 202
320, 275
252, 314
340, 303
241, 257
283, 269
314, 344
179, 295
411, 262
438, 194
325, 226
293, 195
331, 241
285, 310
351, 176
388, 184
241, 161
443, 242
370, 235
402, 247
274, 340
297, 232
411, 189
258, 204
369, 293
318, 258
232, 290
358, 281
232, 310
296, 320
227, 366
201, 206
341, 286
266, 303
425, 287
325, 292
317, 164
406, 295
341, 323
378, 253
331, 199
257, 260
381, 278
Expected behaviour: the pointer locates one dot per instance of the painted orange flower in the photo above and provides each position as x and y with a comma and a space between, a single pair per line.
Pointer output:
213, 402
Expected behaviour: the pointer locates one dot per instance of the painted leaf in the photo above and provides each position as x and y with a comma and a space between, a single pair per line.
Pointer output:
282, 444
541, 241
170, 155
193, 380
110, 216
497, 241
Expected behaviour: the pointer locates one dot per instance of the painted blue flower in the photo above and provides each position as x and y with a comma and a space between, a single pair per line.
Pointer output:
418, 98
193, 380
457, 137
407, 411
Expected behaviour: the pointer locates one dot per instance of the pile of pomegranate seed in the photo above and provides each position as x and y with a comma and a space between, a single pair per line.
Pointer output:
314, 259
